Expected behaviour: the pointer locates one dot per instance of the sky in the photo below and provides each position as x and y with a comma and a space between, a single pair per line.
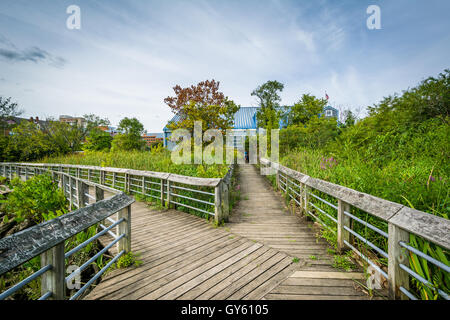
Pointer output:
128, 55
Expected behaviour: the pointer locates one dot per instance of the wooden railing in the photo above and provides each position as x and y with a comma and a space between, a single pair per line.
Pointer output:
48, 239
400, 222
204, 196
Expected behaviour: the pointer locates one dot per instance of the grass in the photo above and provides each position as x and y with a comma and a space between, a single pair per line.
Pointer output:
140, 160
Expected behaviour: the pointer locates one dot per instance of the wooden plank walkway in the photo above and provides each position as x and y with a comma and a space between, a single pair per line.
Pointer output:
185, 257
263, 217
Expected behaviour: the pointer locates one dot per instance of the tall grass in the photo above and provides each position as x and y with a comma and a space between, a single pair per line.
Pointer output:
141, 160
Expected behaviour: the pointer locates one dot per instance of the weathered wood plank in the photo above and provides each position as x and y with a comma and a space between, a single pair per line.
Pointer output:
24, 245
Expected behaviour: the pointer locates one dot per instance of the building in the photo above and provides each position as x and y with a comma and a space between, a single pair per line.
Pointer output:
151, 138
244, 121
330, 112
111, 130
79, 121
13, 121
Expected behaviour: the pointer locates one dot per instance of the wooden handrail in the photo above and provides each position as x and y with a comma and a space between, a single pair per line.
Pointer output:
426, 225
26, 244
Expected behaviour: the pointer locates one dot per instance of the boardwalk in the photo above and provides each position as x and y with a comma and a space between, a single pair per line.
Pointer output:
262, 216
185, 257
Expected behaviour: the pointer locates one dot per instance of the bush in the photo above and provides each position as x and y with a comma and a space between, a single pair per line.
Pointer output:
37, 199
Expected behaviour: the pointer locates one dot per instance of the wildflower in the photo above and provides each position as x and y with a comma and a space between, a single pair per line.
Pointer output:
238, 187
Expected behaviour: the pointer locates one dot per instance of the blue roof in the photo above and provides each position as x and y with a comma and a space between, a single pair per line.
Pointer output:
329, 107
245, 118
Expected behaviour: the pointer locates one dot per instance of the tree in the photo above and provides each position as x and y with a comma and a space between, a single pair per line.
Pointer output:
98, 140
63, 137
130, 135
268, 116
27, 143
8, 110
93, 122
348, 119
203, 102
305, 109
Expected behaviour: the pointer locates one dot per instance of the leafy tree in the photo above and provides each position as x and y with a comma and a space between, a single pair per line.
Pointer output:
130, 136
268, 116
98, 140
203, 102
8, 110
430, 99
305, 109
63, 138
316, 133
348, 119
93, 122
27, 142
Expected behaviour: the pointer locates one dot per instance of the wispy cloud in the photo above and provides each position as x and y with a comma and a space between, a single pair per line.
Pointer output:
34, 54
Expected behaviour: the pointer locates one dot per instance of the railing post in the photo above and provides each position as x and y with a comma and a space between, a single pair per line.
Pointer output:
53, 280
71, 192
162, 192
89, 175
225, 202
287, 186
127, 182
143, 186
114, 180
99, 193
218, 212
278, 179
102, 177
397, 277
169, 198
343, 221
82, 189
124, 228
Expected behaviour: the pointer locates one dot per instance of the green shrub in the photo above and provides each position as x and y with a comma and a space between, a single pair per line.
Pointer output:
37, 199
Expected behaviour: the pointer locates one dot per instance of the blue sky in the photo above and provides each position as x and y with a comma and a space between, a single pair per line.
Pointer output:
129, 54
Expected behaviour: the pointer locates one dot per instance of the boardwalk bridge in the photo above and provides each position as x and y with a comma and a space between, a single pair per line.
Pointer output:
267, 249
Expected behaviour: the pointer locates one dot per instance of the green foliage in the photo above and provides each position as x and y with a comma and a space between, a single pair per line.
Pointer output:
158, 159
8, 110
130, 136
37, 199
398, 153
307, 108
344, 261
27, 143
316, 133
62, 137
268, 116
127, 260
295, 260
98, 140
202, 102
